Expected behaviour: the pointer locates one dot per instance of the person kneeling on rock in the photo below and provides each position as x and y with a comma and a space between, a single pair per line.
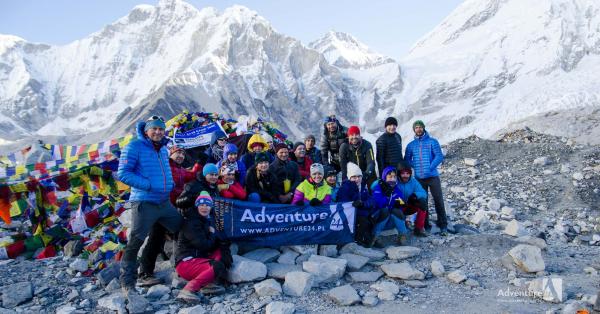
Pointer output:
414, 196
201, 257
388, 199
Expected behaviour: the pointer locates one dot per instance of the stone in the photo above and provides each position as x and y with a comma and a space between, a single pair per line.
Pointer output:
79, 265
74, 294
528, 258
590, 271
507, 261
269, 287
264, 255
370, 276
437, 269
544, 288
402, 271
471, 162
541, 243
354, 248
279, 307
508, 211
297, 283
115, 302
515, 228
136, 303
198, 309
305, 249
370, 301
402, 252
328, 250
278, 271
73, 248
245, 270
479, 218
17, 293
386, 296
542, 161
288, 257
325, 269
386, 286
355, 262
113, 285
344, 295
109, 273
578, 176
575, 307
456, 276
415, 283
66, 309
157, 291
494, 204
472, 283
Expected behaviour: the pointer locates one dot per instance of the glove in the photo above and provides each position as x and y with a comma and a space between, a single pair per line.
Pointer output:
300, 203
315, 202
222, 187
412, 199
357, 204
398, 203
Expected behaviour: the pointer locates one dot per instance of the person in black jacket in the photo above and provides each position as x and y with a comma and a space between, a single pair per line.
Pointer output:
205, 181
260, 182
334, 135
360, 152
200, 257
389, 146
286, 173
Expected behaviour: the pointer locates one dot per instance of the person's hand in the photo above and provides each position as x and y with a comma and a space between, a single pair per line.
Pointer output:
211, 229
398, 203
357, 204
412, 199
315, 202
222, 187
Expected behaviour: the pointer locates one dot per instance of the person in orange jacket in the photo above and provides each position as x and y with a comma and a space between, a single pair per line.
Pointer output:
181, 175
228, 186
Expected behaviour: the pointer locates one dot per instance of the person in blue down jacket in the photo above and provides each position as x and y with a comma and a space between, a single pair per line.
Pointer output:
356, 191
144, 166
415, 197
424, 154
389, 201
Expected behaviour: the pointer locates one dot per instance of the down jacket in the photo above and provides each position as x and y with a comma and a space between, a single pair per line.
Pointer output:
424, 154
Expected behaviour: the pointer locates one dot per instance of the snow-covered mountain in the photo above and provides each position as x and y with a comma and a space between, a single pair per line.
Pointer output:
490, 65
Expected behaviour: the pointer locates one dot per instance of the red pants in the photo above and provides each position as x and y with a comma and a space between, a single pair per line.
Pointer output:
198, 271
421, 215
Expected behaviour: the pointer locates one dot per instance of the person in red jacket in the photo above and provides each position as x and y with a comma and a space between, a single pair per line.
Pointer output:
181, 175
299, 156
228, 187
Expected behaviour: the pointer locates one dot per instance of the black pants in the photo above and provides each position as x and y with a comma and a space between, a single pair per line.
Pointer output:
434, 186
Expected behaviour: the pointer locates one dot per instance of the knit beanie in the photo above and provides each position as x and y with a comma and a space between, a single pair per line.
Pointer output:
353, 170
391, 121
298, 144
229, 149
175, 149
260, 157
204, 199
353, 130
419, 122
154, 123
279, 147
316, 168
210, 168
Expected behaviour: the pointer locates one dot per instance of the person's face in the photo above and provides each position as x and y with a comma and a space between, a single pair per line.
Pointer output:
419, 130
391, 128
257, 148
300, 151
331, 126
310, 143
404, 176
283, 154
331, 180
269, 144
232, 157
354, 139
229, 177
391, 177
212, 178
155, 134
356, 179
263, 166
178, 157
317, 177
222, 141
203, 210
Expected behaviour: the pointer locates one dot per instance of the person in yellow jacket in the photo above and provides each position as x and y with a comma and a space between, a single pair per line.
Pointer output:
256, 144
313, 190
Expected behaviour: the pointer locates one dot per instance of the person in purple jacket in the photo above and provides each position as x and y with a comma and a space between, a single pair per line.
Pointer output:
424, 154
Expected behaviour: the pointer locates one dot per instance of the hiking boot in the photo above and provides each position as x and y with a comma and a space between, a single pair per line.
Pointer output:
402, 239
420, 233
444, 231
378, 243
212, 289
147, 280
188, 296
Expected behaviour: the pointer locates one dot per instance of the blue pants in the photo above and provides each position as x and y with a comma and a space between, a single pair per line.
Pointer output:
388, 220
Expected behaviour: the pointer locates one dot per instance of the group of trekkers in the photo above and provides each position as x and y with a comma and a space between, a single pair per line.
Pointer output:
171, 195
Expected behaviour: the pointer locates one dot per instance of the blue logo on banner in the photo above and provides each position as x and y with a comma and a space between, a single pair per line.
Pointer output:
277, 224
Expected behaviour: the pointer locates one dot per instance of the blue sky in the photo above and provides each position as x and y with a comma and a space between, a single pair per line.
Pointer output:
390, 27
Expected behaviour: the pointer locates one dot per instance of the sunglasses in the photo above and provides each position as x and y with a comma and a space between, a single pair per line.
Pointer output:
153, 118
222, 139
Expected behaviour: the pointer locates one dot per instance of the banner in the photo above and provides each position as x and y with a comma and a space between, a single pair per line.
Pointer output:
274, 225
196, 137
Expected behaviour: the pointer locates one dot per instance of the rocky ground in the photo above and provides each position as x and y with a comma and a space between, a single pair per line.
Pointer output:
524, 208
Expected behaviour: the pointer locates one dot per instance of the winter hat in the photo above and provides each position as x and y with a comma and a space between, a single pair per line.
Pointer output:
204, 199
229, 149
330, 118
419, 122
403, 166
210, 168
353, 170
329, 171
280, 146
260, 157
298, 144
316, 168
228, 169
175, 149
154, 122
353, 130
391, 121
387, 171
